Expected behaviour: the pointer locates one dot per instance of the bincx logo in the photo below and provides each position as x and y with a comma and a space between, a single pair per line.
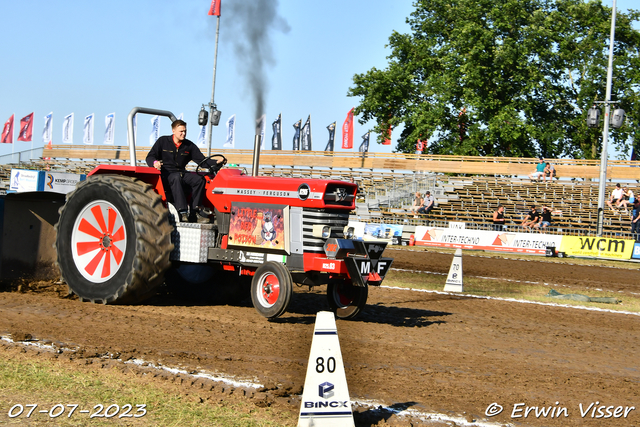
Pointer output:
325, 390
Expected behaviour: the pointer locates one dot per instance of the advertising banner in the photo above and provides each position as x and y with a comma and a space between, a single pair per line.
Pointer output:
390, 232
602, 247
25, 180
636, 251
63, 183
532, 243
256, 225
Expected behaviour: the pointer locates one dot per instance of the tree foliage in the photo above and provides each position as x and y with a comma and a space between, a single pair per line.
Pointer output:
504, 78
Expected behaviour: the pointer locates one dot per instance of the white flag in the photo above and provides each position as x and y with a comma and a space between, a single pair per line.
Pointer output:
201, 138
180, 117
261, 124
231, 132
88, 129
67, 129
155, 130
110, 128
47, 132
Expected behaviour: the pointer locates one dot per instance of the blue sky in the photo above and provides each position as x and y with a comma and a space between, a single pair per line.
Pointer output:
101, 57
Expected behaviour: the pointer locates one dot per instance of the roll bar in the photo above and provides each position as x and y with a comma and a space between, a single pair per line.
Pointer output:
131, 137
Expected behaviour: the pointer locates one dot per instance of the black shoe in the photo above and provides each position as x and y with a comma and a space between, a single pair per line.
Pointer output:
202, 215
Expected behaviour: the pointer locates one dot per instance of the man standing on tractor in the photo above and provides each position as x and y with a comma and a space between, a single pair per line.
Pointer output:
170, 155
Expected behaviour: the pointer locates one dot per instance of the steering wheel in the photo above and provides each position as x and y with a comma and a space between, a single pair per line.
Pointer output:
212, 169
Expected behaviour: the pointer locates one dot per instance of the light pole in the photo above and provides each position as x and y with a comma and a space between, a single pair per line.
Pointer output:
605, 131
214, 114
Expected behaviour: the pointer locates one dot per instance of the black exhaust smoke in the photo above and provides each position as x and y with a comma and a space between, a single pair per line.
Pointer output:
252, 22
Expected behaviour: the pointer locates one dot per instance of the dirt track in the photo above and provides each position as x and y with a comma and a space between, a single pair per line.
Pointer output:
423, 351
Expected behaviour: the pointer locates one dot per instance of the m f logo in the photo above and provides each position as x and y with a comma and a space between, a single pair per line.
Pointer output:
325, 390
341, 194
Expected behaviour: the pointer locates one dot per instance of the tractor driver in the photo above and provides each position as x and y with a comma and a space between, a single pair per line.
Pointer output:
170, 155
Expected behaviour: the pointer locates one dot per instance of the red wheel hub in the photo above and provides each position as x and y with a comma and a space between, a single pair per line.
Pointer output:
270, 289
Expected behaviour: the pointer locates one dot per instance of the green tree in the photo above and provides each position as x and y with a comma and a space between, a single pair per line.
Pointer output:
504, 78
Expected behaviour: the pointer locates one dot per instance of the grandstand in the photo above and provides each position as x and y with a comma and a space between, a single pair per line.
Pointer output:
467, 189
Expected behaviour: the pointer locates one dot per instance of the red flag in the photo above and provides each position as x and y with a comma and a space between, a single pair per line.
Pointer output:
26, 128
214, 10
7, 131
387, 140
347, 131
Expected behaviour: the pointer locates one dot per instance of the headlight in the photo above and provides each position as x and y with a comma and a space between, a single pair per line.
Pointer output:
321, 231
348, 232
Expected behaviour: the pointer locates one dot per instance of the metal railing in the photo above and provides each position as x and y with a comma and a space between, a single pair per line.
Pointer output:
21, 156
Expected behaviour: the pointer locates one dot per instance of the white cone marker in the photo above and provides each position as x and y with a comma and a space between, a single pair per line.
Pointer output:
325, 399
454, 279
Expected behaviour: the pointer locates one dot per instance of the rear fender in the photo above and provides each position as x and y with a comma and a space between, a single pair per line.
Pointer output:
144, 173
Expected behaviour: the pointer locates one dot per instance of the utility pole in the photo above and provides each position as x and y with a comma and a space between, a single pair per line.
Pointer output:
605, 131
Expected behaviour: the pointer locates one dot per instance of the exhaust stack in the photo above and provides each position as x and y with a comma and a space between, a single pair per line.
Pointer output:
256, 155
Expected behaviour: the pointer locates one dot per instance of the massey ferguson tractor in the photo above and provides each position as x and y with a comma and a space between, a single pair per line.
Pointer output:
119, 235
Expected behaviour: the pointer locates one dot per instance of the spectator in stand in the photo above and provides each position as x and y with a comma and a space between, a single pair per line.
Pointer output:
627, 198
616, 197
545, 218
417, 203
532, 218
427, 204
549, 172
539, 170
498, 219
635, 220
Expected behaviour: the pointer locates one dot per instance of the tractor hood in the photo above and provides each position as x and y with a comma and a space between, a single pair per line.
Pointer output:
231, 185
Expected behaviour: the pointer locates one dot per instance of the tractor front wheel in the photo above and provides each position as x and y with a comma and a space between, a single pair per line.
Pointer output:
271, 289
345, 299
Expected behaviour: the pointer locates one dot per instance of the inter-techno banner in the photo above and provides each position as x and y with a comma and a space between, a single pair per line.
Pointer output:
532, 243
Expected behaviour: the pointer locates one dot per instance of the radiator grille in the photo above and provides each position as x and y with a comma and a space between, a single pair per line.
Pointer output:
336, 220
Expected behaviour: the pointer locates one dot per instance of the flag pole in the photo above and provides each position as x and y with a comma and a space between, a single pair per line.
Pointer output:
212, 106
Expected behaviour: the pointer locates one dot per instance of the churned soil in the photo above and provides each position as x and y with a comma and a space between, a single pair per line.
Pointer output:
430, 352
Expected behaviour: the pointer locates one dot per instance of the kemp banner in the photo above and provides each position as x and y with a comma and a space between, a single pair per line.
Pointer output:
601, 247
64, 183
532, 243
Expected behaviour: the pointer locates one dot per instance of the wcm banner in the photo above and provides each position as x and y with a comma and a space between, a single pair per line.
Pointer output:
600, 247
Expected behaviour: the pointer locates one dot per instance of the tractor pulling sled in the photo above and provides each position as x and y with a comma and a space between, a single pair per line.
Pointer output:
119, 235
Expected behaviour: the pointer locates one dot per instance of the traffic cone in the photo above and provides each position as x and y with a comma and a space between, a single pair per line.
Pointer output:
454, 279
325, 399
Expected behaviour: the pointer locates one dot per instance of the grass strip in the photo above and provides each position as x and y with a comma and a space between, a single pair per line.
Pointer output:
510, 289
50, 383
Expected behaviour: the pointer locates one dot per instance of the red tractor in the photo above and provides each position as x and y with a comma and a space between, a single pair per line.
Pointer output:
118, 235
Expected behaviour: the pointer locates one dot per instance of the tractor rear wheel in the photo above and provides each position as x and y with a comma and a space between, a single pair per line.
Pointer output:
113, 240
271, 289
345, 299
